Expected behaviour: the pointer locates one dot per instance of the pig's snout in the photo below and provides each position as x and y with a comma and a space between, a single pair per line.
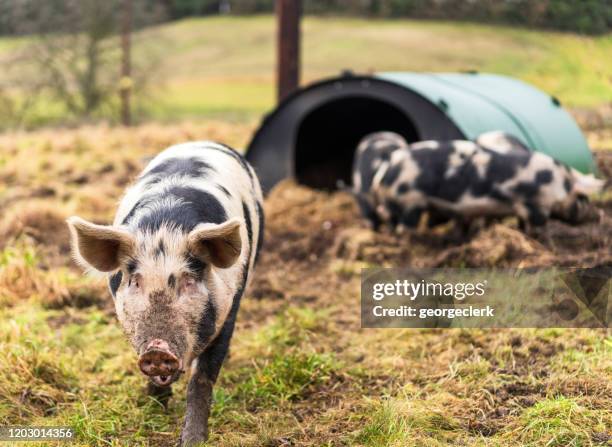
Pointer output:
159, 363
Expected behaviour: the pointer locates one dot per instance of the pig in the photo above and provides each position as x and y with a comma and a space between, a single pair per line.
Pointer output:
464, 180
373, 151
179, 255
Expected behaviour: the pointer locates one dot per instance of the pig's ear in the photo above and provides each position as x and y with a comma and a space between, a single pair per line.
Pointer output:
100, 247
219, 244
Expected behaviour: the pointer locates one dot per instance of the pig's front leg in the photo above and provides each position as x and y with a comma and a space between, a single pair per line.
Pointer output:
199, 390
199, 398
161, 394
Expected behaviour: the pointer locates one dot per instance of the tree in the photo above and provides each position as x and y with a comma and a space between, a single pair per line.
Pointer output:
75, 53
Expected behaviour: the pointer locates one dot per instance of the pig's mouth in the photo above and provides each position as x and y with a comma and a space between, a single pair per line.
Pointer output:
163, 381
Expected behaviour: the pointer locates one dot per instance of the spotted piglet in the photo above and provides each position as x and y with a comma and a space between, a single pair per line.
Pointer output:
179, 255
465, 181
373, 152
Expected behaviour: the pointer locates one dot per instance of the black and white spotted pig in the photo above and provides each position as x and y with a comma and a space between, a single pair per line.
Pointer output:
466, 181
373, 151
180, 253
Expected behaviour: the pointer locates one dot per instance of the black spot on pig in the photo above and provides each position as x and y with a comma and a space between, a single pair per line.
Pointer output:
206, 325
188, 167
543, 177
481, 188
260, 238
195, 207
531, 189
196, 266
464, 179
392, 174
403, 188
567, 184
114, 282
432, 165
526, 189
160, 250
249, 225
504, 166
211, 359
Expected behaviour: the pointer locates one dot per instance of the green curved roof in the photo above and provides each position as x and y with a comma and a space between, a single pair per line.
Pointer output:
478, 103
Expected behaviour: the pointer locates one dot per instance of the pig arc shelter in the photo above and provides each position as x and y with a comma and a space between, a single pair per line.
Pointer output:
312, 135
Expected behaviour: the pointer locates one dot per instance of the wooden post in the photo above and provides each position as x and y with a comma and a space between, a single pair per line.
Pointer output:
288, 14
125, 84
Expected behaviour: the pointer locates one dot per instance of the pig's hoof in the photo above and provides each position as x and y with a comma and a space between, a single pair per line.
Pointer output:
193, 437
161, 395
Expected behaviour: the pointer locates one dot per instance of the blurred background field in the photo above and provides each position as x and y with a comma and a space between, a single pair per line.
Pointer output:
223, 67
301, 372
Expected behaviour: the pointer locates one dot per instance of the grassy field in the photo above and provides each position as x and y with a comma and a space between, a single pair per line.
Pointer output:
301, 371
223, 67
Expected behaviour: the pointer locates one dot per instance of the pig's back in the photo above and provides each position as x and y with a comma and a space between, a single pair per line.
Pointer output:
192, 183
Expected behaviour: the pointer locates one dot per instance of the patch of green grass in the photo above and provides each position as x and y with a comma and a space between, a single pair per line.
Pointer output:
386, 428
19, 252
561, 422
406, 421
284, 378
292, 327
592, 355
76, 375
280, 364
269, 369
